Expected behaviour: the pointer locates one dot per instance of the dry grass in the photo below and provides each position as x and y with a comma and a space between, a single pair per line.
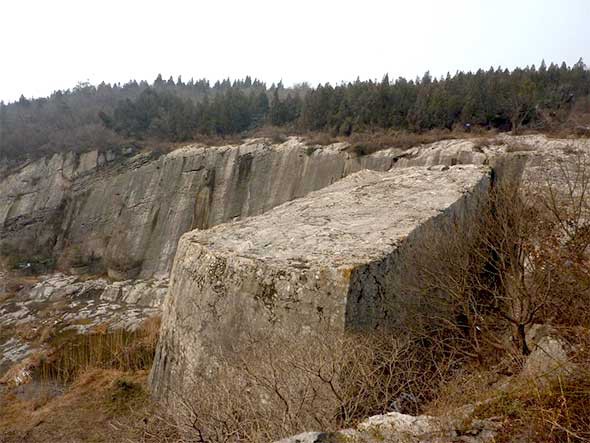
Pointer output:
365, 143
551, 409
100, 406
517, 146
104, 378
274, 134
484, 142
512, 144
279, 386
551, 413
74, 353
362, 143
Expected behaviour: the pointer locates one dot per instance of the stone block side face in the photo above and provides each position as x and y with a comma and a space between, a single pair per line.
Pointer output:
376, 297
217, 301
369, 291
227, 284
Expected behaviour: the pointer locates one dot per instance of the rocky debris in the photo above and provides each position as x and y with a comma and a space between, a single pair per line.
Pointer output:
124, 213
535, 149
326, 259
447, 152
21, 370
3, 281
400, 428
59, 303
148, 293
547, 360
12, 351
96, 212
548, 357
83, 304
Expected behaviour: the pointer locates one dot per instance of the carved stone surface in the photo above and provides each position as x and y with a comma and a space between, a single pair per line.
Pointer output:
326, 259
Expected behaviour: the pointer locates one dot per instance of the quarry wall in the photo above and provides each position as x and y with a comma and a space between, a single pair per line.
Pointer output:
125, 213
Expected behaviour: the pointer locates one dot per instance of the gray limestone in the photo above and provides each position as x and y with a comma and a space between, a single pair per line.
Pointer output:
400, 428
59, 302
326, 259
125, 214
331, 257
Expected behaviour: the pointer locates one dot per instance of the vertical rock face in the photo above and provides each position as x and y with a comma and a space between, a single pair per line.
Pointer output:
127, 214
326, 260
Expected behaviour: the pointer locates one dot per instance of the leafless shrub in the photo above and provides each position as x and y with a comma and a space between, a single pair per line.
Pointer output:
372, 142
471, 294
484, 142
550, 413
522, 260
517, 146
321, 138
280, 386
275, 134
565, 200
369, 142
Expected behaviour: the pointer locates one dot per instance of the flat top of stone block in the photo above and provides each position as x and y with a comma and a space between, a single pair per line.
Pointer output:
356, 220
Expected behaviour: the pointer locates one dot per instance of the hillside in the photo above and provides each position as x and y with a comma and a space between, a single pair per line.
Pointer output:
109, 116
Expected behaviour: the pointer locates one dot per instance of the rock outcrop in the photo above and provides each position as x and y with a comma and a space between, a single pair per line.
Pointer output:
125, 212
401, 428
60, 303
326, 259
330, 258
497, 152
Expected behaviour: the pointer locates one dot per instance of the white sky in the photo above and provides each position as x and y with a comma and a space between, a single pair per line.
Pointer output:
53, 44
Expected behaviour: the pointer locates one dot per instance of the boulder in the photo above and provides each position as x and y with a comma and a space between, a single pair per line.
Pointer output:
401, 428
327, 260
548, 357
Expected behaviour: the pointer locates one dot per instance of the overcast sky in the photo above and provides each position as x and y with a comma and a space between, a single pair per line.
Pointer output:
48, 45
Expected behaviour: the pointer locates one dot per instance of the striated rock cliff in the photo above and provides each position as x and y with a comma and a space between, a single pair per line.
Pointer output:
125, 213
326, 259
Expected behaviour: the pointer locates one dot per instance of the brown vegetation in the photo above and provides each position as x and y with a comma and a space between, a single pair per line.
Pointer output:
73, 354
85, 388
277, 386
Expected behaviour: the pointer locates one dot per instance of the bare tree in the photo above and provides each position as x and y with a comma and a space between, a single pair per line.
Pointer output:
278, 385
521, 259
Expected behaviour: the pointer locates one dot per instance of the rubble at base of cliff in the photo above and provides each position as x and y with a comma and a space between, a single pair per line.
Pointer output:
61, 303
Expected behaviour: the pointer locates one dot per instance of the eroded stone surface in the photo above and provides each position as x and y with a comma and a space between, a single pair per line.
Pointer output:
449, 153
401, 428
326, 259
528, 153
126, 214
548, 358
60, 303
352, 222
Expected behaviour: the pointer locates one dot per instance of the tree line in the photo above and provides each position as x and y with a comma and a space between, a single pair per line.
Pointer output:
90, 117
